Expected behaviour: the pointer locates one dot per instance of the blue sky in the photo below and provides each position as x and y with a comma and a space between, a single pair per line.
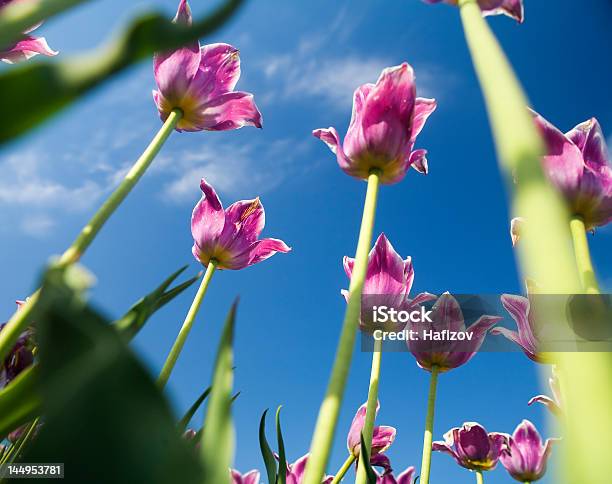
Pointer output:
302, 60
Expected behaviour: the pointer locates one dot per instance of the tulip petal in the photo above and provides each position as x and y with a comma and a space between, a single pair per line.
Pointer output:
265, 248
381, 460
244, 221
406, 477
422, 110
589, 139
353, 439
511, 8
207, 220
382, 438
330, 137
418, 161
25, 49
174, 71
231, 110
387, 273
298, 467
218, 72
519, 307
548, 402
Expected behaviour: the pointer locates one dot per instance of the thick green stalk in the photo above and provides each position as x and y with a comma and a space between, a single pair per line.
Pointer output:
177, 347
479, 478
368, 426
22, 318
344, 469
330, 408
583, 256
429, 421
545, 251
89, 232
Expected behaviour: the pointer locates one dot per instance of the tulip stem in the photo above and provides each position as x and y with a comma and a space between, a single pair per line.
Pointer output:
429, 422
187, 324
479, 478
330, 408
344, 469
583, 256
20, 319
89, 232
368, 426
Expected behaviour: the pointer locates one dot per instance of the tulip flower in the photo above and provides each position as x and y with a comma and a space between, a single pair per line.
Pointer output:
382, 438
251, 477
230, 237
223, 239
388, 280
295, 472
511, 8
472, 447
519, 309
19, 358
387, 477
387, 118
525, 455
553, 404
441, 356
200, 82
577, 164
25, 48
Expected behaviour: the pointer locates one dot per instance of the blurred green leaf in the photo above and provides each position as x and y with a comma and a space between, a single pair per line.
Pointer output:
18, 17
281, 478
133, 321
218, 438
33, 92
19, 401
105, 419
182, 425
266, 451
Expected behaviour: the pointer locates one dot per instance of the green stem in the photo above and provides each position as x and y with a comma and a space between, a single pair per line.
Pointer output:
20, 319
330, 408
368, 426
479, 478
187, 324
344, 469
429, 422
89, 232
583, 256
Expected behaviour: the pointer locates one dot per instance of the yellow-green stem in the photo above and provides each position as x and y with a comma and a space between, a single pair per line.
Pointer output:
429, 422
187, 325
20, 320
479, 478
583, 256
89, 232
330, 408
368, 426
344, 469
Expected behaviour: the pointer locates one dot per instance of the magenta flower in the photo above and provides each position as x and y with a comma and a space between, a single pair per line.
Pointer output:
577, 164
553, 404
387, 118
472, 447
447, 319
251, 477
20, 357
387, 477
511, 8
230, 236
519, 309
25, 48
382, 437
525, 455
295, 471
388, 281
200, 82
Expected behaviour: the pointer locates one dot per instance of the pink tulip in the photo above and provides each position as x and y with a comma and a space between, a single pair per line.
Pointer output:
200, 82
27, 47
387, 118
230, 236
382, 437
251, 477
511, 8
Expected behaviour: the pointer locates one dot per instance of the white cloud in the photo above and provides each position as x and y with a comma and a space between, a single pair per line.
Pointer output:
38, 225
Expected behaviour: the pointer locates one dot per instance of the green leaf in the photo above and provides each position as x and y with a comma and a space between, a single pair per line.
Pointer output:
40, 90
105, 419
19, 401
182, 425
218, 439
266, 451
133, 321
281, 478
18, 17
364, 459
